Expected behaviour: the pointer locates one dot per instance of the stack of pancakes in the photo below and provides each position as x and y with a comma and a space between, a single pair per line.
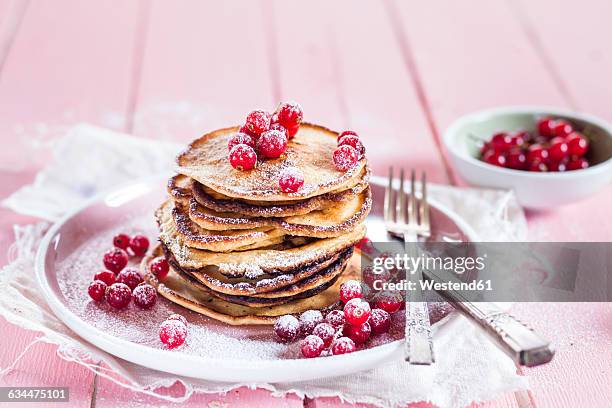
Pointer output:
244, 252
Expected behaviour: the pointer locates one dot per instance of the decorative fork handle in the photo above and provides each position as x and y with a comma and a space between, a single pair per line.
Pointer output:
520, 342
418, 341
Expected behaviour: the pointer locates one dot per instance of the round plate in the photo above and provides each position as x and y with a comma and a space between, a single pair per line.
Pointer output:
71, 253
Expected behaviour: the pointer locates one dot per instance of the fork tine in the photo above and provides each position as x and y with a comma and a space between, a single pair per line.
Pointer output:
424, 205
388, 197
412, 204
400, 201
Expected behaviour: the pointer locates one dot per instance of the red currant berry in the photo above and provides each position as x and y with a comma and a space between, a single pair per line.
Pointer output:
139, 245
485, 148
390, 302
258, 121
536, 153
145, 296
291, 180
160, 268
272, 144
325, 332
240, 138
380, 321
335, 318
577, 144
287, 328
558, 165
359, 334
115, 259
501, 141
516, 159
107, 277
519, 138
495, 158
118, 295
352, 141
309, 320
172, 333
350, 289
545, 127
280, 128
345, 157
562, 129
178, 317
121, 241
538, 166
289, 114
558, 149
292, 131
242, 157
577, 163
347, 133
343, 345
312, 346
96, 290
246, 131
356, 311
130, 276
374, 278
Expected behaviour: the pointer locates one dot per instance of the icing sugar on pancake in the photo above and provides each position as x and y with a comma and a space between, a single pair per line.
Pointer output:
310, 151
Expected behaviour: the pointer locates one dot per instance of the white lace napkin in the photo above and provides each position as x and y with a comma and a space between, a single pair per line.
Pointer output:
88, 160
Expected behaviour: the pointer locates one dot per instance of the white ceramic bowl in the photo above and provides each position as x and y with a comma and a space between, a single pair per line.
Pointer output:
534, 190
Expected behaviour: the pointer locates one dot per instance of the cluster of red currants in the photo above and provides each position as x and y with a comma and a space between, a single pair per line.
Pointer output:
117, 284
173, 331
340, 330
349, 151
556, 147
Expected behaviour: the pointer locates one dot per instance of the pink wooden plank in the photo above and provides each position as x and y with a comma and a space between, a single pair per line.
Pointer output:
205, 66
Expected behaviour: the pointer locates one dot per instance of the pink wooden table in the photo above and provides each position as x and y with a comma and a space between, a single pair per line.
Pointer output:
397, 71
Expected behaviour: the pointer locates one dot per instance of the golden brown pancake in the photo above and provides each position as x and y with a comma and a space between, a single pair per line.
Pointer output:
310, 151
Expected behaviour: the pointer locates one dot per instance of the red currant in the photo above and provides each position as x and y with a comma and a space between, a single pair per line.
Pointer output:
160, 268
118, 295
292, 131
291, 180
130, 276
242, 157
325, 332
178, 317
107, 277
145, 296
516, 159
96, 290
357, 311
289, 114
536, 153
380, 321
272, 144
240, 138
495, 158
373, 278
121, 241
139, 245
558, 149
258, 121
246, 131
312, 346
115, 259
345, 157
538, 166
354, 142
350, 289
347, 133
562, 129
280, 128
558, 165
287, 328
335, 318
577, 144
519, 138
390, 302
545, 127
577, 163
172, 333
359, 334
501, 141
343, 345
308, 321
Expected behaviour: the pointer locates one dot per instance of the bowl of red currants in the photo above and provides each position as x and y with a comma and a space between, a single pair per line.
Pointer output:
548, 156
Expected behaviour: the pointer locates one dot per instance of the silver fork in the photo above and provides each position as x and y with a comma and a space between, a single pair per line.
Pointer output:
405, 223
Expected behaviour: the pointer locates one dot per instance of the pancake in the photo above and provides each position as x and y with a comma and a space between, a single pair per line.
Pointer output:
310, 151
335, 219
195, 236
255, 262
180, 290
179, 188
